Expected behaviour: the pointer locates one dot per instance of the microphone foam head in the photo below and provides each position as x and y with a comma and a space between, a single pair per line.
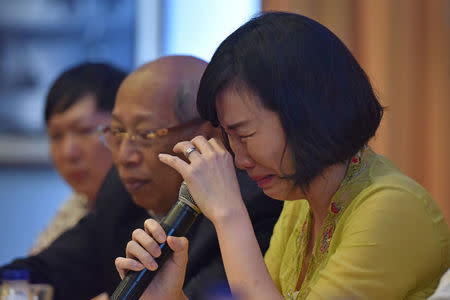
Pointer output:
185, 196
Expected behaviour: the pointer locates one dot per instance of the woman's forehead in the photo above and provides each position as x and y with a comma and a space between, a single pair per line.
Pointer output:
237, 104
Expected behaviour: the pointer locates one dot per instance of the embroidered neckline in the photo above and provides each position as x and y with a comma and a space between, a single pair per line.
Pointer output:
339, 202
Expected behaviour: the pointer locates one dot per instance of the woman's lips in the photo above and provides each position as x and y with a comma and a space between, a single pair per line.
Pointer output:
263, 181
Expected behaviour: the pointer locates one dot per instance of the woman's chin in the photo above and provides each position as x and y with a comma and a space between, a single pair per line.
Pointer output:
284, 193
274, 194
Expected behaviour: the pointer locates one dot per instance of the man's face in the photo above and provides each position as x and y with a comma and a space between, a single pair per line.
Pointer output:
144, 103
77, 152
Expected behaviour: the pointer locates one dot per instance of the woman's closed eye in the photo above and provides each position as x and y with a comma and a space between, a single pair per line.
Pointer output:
245, 136
239, 136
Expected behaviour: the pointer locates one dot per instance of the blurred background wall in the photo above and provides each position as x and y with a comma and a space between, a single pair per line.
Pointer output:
404, 46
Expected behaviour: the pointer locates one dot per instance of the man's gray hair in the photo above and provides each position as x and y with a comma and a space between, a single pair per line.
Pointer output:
184, 106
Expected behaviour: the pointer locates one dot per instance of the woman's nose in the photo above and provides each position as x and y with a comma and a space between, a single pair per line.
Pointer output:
242, 158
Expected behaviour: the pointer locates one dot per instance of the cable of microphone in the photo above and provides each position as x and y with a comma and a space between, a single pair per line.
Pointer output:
177, 222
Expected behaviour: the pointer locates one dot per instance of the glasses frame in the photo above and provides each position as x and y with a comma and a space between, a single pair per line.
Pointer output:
149, 135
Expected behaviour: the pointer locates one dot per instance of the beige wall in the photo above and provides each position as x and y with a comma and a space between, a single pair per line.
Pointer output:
404, 46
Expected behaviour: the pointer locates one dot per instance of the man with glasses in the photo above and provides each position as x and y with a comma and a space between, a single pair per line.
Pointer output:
154, 109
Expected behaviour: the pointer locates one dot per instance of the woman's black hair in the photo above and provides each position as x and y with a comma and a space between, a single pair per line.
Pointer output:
98, 79
301, 70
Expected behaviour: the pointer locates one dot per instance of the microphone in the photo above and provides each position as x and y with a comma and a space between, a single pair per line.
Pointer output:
177, 222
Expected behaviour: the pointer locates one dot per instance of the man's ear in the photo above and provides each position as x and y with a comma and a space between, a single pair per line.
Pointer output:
209, 131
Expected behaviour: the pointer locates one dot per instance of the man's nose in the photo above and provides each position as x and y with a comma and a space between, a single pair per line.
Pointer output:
128, 152
71, 147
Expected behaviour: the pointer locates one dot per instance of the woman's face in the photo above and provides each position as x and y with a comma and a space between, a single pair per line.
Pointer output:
258, 141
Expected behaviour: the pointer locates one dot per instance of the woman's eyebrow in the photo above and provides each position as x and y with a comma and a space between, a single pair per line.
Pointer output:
237, 125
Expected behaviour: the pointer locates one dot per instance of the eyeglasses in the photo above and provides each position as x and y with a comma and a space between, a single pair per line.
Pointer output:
113, 137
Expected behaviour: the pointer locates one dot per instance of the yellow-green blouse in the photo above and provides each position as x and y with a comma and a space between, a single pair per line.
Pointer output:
384, 238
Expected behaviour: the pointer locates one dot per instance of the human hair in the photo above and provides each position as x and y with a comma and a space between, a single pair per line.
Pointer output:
101, 80
301, 70
184, 103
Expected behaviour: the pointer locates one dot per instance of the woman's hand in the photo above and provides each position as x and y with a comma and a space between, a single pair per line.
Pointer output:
140, 254
211, 179
210, 176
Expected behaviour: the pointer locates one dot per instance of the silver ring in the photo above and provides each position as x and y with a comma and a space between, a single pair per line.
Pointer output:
189, 151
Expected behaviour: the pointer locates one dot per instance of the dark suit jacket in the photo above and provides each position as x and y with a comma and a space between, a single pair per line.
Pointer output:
80, 263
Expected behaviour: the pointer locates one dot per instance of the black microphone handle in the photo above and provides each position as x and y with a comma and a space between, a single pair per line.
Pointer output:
176, 223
